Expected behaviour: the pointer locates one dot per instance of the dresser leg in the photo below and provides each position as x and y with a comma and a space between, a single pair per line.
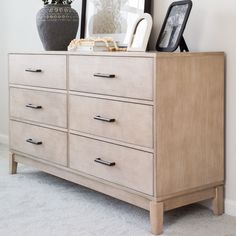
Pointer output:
156, 217
218, 201
12, 164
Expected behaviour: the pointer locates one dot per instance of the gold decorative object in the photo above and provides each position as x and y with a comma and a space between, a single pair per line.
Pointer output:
94, 44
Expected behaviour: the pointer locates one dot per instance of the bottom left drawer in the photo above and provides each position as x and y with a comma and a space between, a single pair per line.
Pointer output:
43, 143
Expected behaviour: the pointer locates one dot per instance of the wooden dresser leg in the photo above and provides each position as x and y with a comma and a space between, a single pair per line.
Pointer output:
156, 217
218, 201
12, 164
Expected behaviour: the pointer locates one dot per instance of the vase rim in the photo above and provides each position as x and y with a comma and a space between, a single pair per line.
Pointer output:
59, 5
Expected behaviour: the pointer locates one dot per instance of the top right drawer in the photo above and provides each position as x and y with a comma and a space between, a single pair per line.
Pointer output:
130, 77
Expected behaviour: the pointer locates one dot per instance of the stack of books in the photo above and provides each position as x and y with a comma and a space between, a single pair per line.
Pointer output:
93, 45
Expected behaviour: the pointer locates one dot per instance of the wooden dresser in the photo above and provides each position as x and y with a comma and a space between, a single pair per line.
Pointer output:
146, 128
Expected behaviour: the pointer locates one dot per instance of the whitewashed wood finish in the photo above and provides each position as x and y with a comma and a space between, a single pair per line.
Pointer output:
134, 76
12, 164
122, 193
54, 147
190, 122
156, 217
54, 106
129, 163
150, 54
141, 78
53, 68
134, 123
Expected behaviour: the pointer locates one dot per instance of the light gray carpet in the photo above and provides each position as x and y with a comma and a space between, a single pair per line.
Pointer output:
33, 203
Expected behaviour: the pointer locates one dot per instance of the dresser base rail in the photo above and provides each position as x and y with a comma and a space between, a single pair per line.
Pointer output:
157, 208
118, 193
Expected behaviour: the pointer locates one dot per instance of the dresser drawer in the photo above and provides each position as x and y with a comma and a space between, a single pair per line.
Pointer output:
39, 142
44, 107
128, 167
127, 122
38, 70
126, 76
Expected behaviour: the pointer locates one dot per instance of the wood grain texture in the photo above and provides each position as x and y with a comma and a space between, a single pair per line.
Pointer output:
96, 184
133, 122
128, 163
218, 201
168, 138
102, 54
189, 198
133, 76
54, 143
190, 122
54, 106
156, 217
53, 68
190, 191
12, 164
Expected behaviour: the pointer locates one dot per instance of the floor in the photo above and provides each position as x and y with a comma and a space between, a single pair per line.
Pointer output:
33, 203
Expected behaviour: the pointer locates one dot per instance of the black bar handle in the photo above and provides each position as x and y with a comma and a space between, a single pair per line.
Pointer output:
33, 106
33, 142
109, 76
106, 163
33, 70
104, 119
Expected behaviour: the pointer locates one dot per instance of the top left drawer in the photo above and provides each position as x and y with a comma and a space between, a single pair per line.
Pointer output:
47, 71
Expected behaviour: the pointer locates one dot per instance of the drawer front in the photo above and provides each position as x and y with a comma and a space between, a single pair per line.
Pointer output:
39, 142
127, 122
128, 167
44, 107
38, 70
133, 77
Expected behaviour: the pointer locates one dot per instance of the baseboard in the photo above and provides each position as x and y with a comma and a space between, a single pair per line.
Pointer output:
230, 207
4, 139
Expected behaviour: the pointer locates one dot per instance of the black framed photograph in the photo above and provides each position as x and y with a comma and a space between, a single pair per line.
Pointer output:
111, 18
171, 35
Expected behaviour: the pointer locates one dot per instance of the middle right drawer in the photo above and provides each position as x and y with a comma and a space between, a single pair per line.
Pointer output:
121, 121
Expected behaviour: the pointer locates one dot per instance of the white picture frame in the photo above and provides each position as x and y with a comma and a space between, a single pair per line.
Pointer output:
140, 34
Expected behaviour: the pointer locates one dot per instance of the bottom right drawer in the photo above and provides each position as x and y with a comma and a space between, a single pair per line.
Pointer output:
117, 164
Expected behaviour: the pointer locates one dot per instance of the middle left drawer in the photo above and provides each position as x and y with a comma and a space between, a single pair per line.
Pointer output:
39, 106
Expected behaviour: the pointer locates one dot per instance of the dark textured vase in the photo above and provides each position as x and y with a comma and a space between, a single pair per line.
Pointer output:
57, 26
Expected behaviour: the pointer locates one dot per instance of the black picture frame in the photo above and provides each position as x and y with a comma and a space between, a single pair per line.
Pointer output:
83, 19
176, 38
147, 9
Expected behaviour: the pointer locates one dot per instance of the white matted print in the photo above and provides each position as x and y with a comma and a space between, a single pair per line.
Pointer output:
112, 18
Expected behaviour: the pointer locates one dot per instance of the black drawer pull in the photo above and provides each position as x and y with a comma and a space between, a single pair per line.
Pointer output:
104, 119
106, 163
110, 76
33, 142
33, 70
33, 106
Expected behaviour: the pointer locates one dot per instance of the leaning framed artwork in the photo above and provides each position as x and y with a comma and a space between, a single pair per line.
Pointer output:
111, 18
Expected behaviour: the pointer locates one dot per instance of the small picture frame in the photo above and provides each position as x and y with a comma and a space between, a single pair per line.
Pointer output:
140, 33
171, 35
111, 18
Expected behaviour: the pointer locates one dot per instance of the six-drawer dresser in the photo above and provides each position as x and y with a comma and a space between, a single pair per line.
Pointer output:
146, 128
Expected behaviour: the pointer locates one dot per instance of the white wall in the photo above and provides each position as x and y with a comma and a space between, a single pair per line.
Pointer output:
3, 88
211, 28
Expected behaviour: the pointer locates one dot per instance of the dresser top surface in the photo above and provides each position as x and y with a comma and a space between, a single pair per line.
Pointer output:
150, 54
